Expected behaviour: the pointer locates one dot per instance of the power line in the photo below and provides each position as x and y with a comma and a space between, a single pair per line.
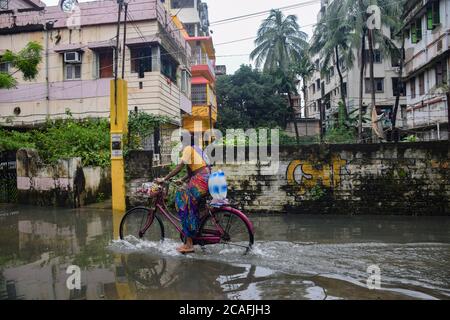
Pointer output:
255, 14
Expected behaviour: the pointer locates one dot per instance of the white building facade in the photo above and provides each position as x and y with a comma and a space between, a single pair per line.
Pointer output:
427, 30
323, 90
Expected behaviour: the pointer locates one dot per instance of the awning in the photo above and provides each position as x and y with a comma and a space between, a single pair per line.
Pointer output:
143, 40
68, 47
101, 44
199, 80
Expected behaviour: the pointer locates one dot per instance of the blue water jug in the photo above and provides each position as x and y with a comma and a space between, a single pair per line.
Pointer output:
217, 185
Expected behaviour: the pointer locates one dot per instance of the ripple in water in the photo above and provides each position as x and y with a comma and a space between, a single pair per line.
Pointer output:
417, 265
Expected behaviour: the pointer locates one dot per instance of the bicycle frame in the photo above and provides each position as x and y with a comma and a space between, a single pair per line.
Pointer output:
213, 237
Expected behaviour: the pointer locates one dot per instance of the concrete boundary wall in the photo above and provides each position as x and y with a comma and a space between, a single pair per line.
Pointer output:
403, 179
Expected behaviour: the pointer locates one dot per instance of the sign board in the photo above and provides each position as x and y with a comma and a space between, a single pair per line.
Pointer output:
116, 146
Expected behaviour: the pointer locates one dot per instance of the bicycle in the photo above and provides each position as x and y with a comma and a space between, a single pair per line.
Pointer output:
221, 224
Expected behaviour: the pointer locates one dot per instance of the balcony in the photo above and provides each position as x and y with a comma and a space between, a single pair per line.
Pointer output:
202, 65
202, 97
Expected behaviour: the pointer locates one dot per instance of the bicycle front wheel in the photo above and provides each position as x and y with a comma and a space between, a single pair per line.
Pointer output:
235, 233
143, 224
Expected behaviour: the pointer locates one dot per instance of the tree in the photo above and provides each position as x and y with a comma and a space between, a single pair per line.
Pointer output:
358, 17
279, 44
304, 69
333, 40
25, 61
249, 99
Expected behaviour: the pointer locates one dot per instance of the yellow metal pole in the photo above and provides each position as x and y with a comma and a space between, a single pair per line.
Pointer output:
119, 129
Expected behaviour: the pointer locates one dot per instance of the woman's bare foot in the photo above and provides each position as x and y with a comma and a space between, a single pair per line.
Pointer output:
187, 248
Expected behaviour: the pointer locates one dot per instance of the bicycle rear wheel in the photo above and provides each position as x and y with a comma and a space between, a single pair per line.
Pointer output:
143, 224
237, 233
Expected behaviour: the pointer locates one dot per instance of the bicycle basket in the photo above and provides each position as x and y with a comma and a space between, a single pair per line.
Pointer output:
149, 189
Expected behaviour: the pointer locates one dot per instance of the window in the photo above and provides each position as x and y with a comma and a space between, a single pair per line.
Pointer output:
185, 82
72, 71
179, 4
412, 84
105, 63
168, 66
416, 31
141, 59
199, 94
344, 89
396, 58
377, 56
379, 85
4, 66
317, 64
422, 84
4, 4
441, 72
190, 29
396, 86
318, 84
332, 71
313, 88
433, 16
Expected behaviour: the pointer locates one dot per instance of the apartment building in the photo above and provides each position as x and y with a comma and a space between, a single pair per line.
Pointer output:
427, 29
79, 41
192, 16
323, 90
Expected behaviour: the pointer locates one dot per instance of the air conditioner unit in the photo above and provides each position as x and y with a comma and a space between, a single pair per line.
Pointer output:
72, 57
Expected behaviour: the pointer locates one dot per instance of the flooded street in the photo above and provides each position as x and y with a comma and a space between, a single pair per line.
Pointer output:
294, 257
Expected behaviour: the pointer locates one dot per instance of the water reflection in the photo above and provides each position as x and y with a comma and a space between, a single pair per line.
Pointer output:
295, 257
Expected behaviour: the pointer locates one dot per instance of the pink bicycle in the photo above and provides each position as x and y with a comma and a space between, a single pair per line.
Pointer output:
220, 225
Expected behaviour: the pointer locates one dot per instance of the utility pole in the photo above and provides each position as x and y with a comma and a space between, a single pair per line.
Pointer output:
116, 58
124, 40
118, 129
448, 113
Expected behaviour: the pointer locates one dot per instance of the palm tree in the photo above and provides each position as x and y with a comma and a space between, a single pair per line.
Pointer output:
279, 44
390, 13
304, 69
333, 40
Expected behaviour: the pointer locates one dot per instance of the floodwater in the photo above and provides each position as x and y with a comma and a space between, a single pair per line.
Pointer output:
294, 257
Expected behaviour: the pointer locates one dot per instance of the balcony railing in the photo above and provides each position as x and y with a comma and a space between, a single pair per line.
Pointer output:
202, 59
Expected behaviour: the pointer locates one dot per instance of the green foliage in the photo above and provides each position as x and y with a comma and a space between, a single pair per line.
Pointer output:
64, 138
340, 135
141, 125
249, 99
410, 138
279, 42
284, 140
317, 193
14, 140
25, 61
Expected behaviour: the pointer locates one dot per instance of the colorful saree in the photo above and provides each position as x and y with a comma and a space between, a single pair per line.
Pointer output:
187, 201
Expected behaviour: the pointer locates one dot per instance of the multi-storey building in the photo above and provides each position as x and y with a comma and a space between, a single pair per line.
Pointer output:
79, 42
192, 16
427, 30
323, 90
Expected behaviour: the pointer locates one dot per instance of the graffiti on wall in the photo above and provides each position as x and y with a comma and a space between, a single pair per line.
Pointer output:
306, 174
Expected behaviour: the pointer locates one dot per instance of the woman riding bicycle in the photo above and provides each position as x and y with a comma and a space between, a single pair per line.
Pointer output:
187, 199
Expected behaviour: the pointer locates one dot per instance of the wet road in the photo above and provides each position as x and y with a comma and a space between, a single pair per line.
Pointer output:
295, 257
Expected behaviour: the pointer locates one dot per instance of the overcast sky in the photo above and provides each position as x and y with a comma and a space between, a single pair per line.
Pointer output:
234, 54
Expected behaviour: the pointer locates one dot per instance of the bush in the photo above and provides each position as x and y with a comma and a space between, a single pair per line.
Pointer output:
340, 135
60, 139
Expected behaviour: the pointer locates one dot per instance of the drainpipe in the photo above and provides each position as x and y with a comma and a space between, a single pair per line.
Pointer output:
47, 84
